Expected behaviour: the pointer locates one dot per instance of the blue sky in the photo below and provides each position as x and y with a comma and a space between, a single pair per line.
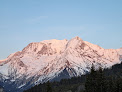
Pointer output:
25, 21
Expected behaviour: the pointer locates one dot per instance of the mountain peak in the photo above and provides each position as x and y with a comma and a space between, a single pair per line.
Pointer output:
77, 38
74, 42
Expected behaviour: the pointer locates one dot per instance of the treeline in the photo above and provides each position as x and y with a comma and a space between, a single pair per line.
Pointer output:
108, 80
63, 86
97, 81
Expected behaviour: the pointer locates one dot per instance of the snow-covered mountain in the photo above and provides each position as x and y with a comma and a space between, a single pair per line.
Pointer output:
54, 60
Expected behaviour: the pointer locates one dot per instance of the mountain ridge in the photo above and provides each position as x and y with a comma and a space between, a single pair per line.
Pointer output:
41, 61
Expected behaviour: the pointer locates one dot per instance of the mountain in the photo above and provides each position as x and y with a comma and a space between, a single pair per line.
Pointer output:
53, 60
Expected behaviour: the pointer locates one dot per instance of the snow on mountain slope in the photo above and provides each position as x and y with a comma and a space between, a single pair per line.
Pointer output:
47, 60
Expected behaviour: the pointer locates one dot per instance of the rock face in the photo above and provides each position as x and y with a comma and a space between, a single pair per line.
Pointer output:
54, 60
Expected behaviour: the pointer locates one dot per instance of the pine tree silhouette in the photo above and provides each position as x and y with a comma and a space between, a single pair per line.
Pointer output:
49, 88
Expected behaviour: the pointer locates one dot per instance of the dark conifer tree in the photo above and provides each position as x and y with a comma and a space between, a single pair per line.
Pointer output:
100, 81
90, 81
95, 81
49, 88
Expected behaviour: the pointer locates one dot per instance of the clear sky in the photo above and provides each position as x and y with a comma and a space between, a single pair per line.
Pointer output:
25, 21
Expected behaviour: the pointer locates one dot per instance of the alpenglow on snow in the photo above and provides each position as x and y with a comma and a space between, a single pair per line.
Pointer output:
54, 60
